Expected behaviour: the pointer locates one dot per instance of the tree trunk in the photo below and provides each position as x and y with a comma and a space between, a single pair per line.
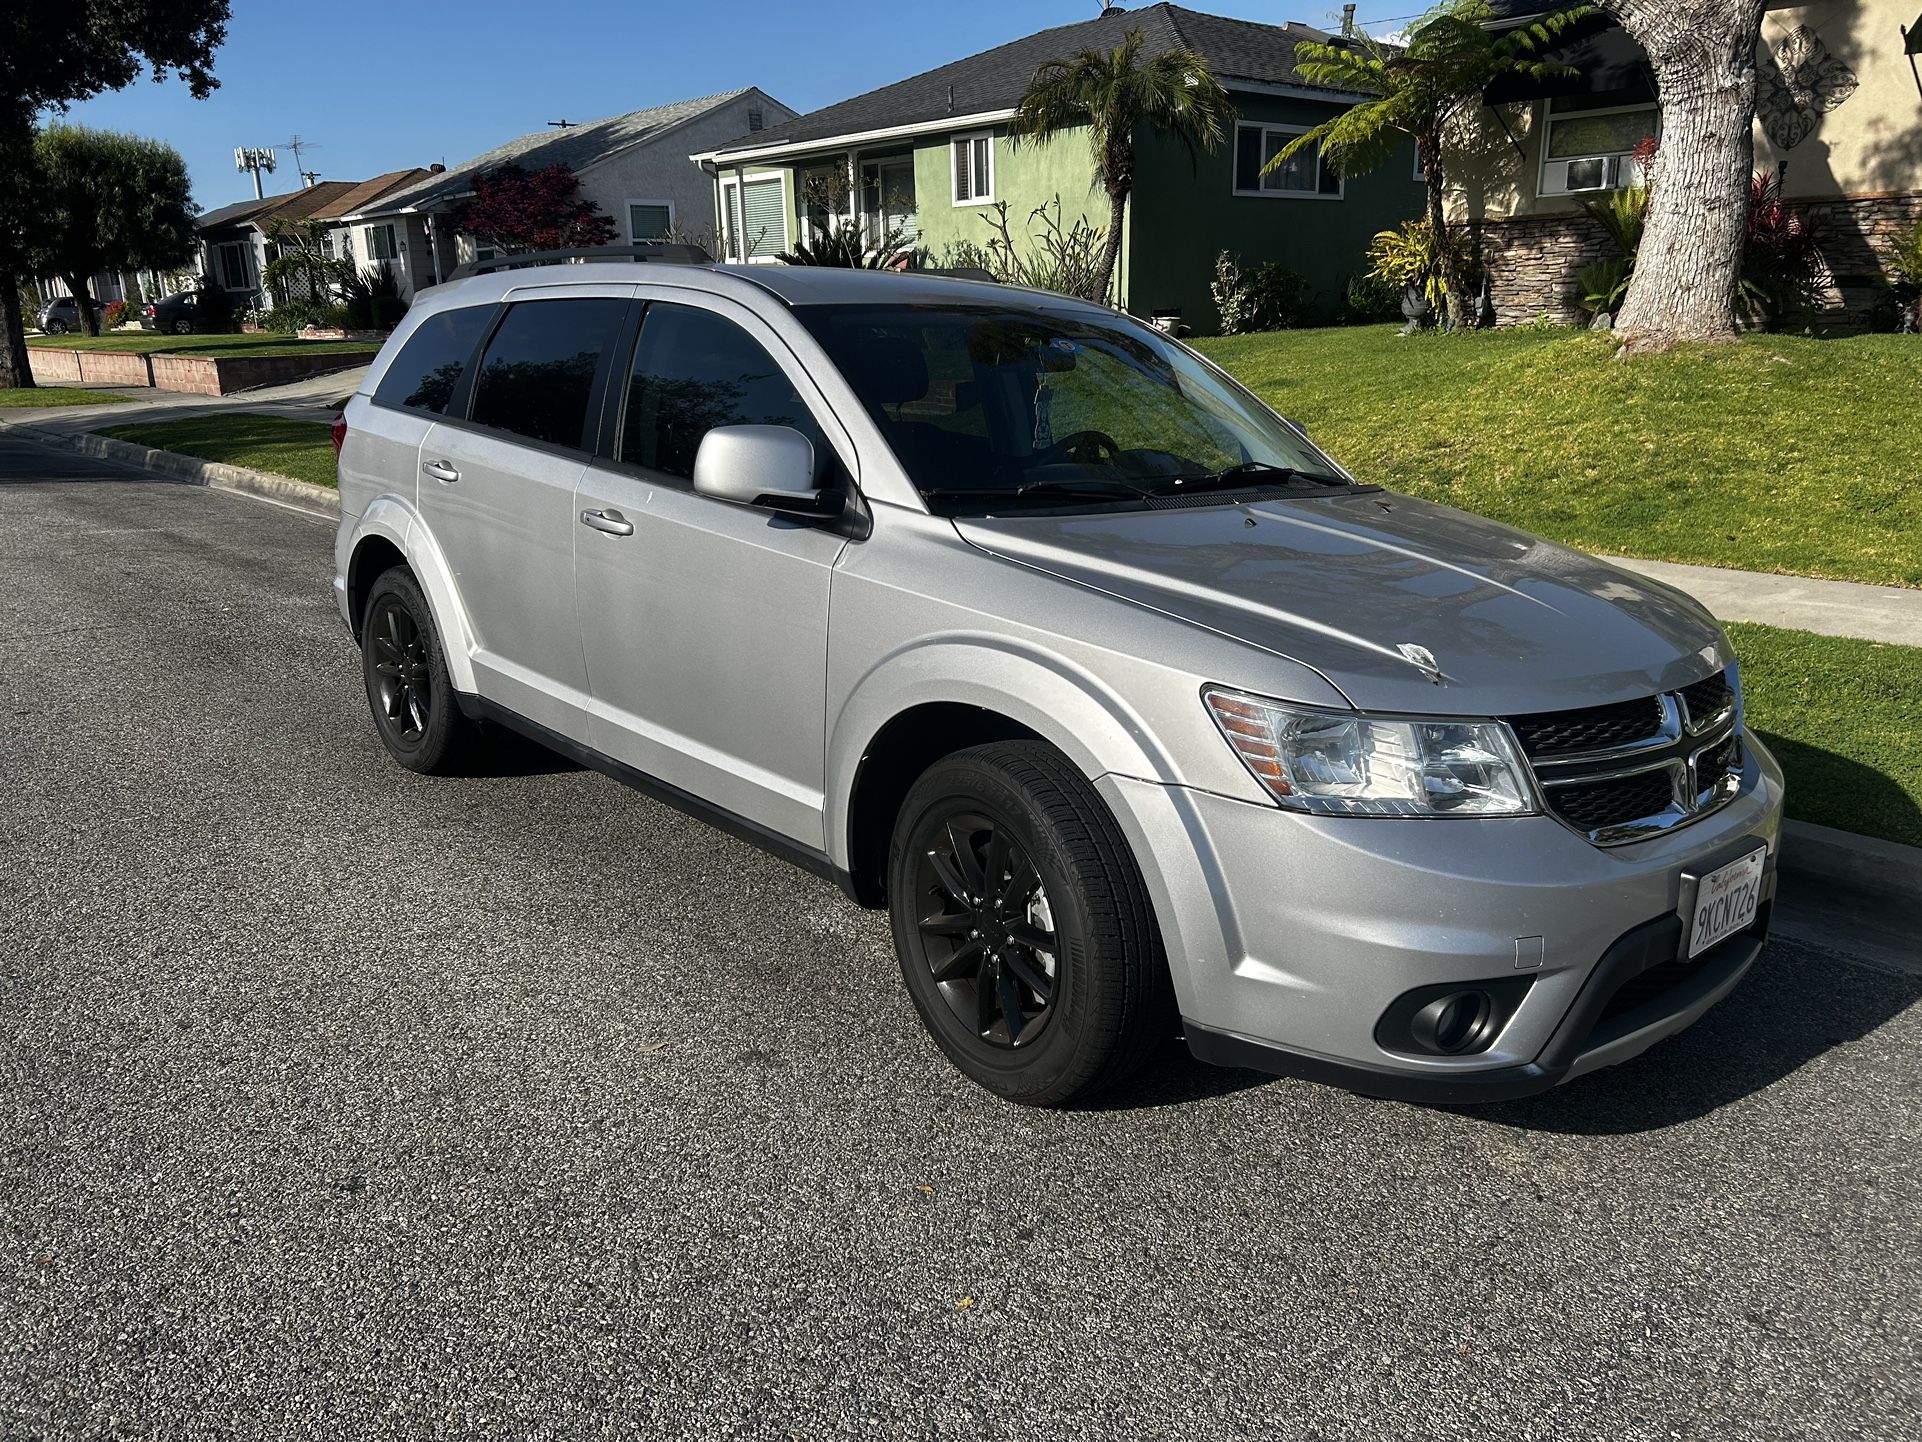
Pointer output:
16, 371
1686, 272
1457, 309
1111, 244
82, 293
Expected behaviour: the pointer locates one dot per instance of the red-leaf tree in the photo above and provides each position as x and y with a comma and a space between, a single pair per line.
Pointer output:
517, 210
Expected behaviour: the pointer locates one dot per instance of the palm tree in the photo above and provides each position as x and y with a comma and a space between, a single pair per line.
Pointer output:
1418, 90
1115, 95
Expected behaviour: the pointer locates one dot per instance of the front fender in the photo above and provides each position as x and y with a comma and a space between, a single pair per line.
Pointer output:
1064, 704
395, 521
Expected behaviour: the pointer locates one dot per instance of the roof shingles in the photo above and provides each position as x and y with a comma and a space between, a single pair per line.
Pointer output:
576, 147
996, 79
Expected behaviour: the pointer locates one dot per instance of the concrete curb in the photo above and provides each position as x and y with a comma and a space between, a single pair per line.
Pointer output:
1821, 853
301, 495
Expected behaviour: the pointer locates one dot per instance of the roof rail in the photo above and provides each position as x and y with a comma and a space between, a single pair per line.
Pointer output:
659, 251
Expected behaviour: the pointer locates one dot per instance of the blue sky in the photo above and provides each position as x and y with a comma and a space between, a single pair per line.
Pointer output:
380, 86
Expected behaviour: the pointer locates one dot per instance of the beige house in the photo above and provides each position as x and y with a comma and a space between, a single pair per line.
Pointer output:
1838, 117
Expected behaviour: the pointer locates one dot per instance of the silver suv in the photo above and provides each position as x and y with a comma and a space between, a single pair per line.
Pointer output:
1025, 622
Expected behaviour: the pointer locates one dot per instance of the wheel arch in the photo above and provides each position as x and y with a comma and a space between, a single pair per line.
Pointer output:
919, 706
391, 533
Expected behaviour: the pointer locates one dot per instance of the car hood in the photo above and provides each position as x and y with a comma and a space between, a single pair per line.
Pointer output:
1367, 586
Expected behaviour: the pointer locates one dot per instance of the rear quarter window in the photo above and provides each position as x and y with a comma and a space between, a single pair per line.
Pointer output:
424, 375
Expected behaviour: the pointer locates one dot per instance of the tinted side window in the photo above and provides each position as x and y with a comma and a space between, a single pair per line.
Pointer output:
693, 371
538, 369
429, 366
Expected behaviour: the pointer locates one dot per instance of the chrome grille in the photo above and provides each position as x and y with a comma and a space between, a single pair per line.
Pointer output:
1633, 769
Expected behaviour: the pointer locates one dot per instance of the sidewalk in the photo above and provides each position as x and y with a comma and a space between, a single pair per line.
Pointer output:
1796, 603
317, 398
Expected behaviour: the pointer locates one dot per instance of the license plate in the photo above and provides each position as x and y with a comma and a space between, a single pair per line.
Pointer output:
1725, 901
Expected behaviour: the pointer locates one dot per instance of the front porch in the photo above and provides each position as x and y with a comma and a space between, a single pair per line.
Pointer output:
768, 209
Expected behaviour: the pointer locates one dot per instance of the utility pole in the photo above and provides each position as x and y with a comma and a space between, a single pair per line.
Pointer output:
255, 160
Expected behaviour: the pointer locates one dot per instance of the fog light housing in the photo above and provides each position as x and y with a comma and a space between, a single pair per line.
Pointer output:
1457, 1018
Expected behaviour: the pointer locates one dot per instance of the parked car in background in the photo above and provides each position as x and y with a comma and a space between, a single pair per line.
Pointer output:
59, 315
181, 314
1022, 620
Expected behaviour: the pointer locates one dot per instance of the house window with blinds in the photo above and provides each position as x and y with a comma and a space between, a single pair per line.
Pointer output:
756, 218
973, 160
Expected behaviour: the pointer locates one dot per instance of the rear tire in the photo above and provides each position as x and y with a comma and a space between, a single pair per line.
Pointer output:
415, 708
1023, 927
183, 327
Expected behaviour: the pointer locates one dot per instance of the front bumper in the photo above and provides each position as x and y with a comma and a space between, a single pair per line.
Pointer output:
1290, 936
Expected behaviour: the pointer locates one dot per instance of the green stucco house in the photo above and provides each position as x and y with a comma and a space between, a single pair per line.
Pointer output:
929, 156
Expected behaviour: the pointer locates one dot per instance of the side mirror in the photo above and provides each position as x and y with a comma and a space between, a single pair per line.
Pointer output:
767, 466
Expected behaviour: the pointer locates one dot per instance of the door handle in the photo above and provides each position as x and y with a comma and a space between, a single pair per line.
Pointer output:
440, 470
612, 522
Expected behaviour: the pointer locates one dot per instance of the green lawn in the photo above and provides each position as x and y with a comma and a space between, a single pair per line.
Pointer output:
1777, 454
301, 449
1845, 718
266, 343
27, 397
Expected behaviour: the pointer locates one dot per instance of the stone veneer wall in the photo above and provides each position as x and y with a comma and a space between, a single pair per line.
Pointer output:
1532, 261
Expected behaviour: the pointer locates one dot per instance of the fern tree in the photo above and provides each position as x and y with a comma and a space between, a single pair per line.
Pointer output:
1117, 96
1418, 90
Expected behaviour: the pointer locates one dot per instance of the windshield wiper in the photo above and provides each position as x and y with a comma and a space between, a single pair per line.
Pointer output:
1087, 488
1240, 475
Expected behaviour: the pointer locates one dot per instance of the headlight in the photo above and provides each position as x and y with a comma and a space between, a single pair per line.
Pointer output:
1349, 764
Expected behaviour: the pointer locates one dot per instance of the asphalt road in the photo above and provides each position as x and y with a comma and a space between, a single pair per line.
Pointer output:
336, 1102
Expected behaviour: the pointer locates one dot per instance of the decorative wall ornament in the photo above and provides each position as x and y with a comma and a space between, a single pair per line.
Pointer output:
1797, 85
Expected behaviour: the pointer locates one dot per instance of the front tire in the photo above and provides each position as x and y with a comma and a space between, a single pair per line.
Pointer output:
1023, 927
409, 692
56, 327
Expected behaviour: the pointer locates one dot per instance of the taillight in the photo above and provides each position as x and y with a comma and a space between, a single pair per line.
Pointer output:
339, 433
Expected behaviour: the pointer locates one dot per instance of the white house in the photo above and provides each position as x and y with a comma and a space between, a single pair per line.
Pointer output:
635, 167
236, 241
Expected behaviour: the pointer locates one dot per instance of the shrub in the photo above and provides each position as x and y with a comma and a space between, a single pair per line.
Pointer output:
1065, 259
1600, 285
1408, 256
1369, 300
843, 248
1623, 214
113, 315
1905, 261
1268, 296
1781, 263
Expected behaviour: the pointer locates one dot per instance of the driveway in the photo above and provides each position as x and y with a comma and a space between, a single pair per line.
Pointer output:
339, 1102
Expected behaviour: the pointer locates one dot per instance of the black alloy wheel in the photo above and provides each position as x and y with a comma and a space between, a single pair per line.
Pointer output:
409, 692
402, 689
1024, 930
988, 931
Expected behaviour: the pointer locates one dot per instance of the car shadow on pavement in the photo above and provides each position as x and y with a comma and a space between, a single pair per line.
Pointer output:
1797, 1005
504, 753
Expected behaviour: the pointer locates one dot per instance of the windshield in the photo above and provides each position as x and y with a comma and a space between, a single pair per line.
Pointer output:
990, 408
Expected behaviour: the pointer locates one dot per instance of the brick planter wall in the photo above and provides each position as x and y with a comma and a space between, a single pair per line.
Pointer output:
190, 374
1532, 261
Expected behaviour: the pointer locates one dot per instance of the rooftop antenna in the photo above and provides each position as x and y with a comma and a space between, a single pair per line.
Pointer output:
561, 124
257, 159
297, 144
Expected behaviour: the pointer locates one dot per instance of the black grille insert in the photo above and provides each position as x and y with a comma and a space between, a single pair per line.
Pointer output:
1706, 698
1593, 728
1598, 804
